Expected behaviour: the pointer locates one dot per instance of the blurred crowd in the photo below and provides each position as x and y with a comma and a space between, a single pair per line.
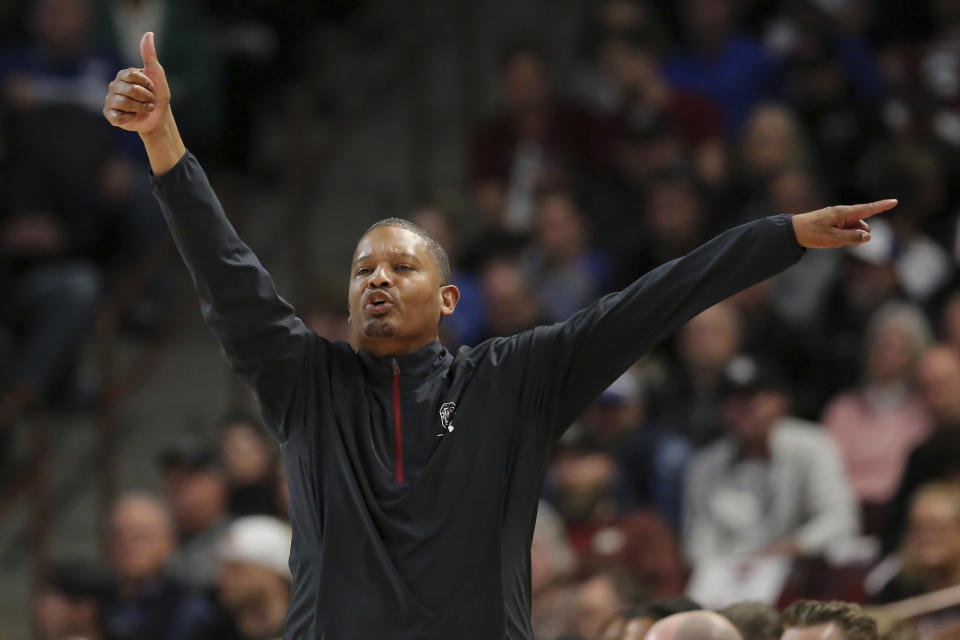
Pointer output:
800, 440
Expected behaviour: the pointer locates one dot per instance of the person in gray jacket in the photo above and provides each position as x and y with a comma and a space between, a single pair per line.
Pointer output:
774, 484
414, 472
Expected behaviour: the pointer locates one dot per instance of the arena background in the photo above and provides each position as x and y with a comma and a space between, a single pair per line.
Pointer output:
315, 119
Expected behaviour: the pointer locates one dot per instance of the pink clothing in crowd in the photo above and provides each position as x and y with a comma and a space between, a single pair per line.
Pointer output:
876, 431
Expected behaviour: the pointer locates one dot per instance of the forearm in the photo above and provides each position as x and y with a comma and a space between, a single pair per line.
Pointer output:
164, 145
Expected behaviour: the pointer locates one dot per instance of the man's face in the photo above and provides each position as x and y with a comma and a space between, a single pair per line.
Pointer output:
396, 294
939, 378
750, 415
819, 632
141, 539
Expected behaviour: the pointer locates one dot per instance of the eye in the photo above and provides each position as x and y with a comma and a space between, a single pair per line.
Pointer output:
362, 271
405, 267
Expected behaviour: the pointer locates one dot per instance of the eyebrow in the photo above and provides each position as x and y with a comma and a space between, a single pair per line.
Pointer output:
396, 254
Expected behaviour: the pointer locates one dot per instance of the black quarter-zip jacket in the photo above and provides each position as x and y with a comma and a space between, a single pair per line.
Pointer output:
414, 479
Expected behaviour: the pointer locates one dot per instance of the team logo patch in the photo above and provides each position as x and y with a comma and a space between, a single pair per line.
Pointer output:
446, 416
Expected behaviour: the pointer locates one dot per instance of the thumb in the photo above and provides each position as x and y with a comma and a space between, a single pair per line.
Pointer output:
148, 50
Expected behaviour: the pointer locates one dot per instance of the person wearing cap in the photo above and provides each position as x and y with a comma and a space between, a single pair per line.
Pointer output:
70, 601
773, 484
197, 493
415, 472
254, 579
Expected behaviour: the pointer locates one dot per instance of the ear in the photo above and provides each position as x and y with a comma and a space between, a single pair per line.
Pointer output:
449, 297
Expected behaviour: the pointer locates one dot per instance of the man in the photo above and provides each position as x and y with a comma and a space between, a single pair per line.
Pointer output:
149, 604
774, 484
414, 473
754, 620
694, 625
254, 580
813, 620
197, 494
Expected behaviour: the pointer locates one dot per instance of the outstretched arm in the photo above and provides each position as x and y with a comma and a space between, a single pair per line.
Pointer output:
260, 334
570, 363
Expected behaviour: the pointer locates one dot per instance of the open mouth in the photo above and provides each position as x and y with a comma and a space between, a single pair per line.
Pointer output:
378, 305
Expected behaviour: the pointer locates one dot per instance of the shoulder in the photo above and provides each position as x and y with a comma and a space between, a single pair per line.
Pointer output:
801, 437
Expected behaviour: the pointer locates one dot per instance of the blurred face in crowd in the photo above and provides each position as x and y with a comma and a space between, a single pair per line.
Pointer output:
246, 458
675, 213
890, 356
938, 375
818, 632
559, 228
509, 300
770, 142
750, 415
397, 294
584, 480
245, 589
525, 82
141, 538
63, 24
794, 191
611, 419
57, 616
933, 532
597, 603
709, 22
710, 339
198, 498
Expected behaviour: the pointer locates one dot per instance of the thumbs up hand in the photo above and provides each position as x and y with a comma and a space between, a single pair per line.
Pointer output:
139, 99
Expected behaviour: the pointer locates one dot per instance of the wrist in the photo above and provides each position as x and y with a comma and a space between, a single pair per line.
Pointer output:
163, 145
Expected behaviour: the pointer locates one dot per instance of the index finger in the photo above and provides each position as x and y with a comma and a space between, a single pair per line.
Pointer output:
136, 76
854, 212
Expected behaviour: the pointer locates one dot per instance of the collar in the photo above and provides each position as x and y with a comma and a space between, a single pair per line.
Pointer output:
413, 367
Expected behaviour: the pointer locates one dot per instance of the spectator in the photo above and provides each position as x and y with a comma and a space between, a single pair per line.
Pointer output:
719, 60
651, 460
150, 605
248, 462
581, 485
774, 484
254, 579
197, 492
510, 302
601, 597
552, 566
772, 142
930, 553
754, 620
537, 140
879, 424
812, 620
70, 602
567, 272
938, 456
689, 397
694, 625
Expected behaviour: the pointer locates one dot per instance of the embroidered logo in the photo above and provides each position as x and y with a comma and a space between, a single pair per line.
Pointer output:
446, 417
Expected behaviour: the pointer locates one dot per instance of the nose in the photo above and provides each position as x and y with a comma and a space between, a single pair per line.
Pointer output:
380, 278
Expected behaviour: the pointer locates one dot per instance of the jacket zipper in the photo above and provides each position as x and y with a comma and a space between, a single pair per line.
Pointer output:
397, 423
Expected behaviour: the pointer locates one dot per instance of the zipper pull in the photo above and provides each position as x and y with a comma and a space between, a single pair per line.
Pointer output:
396, 367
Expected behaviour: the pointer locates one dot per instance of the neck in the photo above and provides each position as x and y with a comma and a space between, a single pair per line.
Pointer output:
383, 348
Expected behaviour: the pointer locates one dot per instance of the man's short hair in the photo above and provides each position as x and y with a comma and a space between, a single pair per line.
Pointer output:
850, 618
754, 620
436, 250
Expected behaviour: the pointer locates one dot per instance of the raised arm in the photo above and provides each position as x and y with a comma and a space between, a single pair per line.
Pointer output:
260, 334
568, 364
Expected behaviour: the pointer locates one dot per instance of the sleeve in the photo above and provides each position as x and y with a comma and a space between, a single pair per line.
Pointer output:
566, 365
832, 507
261, 337
699, 534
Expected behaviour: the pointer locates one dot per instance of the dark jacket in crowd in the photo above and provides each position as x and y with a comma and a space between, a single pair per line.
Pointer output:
414, 479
